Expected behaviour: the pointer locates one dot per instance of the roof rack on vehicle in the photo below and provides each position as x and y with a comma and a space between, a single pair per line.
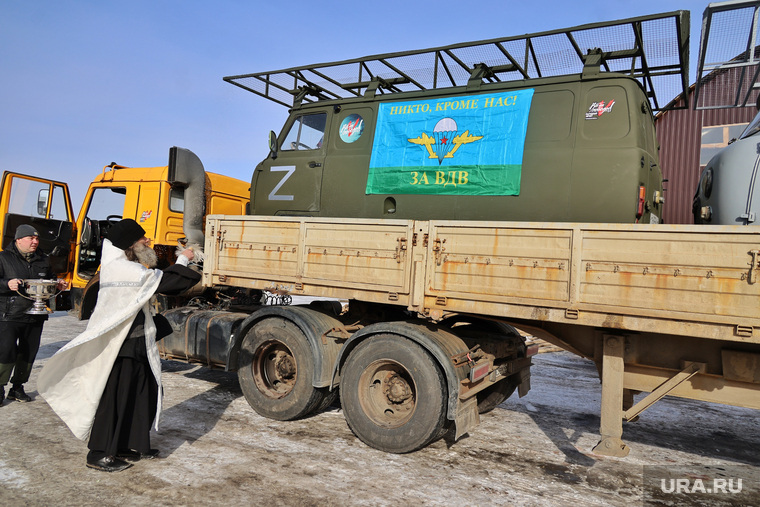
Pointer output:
729, 50
653, 49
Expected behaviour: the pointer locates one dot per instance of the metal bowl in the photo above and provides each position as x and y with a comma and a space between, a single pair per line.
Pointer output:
40, 291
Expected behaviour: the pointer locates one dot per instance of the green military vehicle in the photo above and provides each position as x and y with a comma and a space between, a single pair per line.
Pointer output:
488, 130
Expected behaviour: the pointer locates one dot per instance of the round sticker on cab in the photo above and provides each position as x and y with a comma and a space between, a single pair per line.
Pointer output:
351, 128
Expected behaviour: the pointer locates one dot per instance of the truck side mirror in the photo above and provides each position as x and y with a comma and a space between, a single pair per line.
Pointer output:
42, 199
273, 144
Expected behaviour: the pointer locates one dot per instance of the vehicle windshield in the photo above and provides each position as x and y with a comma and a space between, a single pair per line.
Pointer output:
753, 127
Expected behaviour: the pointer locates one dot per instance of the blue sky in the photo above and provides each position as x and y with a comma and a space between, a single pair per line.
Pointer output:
88, 82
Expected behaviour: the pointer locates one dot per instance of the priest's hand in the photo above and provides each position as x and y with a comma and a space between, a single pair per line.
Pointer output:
188, 253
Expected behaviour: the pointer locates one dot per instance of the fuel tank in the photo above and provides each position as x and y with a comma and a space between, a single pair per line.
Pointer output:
201, 336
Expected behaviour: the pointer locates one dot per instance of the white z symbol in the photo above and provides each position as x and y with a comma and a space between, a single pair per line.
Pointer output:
289, 169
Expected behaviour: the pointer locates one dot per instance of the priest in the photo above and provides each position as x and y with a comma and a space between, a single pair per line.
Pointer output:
106, 383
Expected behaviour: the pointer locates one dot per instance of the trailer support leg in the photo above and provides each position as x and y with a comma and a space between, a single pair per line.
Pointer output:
611, 427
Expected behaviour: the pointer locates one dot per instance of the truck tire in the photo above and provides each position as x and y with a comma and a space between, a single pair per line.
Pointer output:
275, 371
89, 297
493, 396
393, 394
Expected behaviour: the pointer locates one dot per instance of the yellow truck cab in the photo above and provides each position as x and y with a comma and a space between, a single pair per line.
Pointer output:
169, 202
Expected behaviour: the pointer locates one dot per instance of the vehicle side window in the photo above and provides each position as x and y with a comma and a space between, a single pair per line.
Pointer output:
716, 137
29, 197
177, 200
307, 133
58, 208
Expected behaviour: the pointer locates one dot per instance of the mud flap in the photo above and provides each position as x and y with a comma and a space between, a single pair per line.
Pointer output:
524, 386
467, 416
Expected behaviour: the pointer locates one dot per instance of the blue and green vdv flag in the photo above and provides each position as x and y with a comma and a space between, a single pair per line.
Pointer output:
467, 145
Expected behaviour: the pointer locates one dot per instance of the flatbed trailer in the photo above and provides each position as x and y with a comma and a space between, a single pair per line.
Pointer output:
369, 194
661, 309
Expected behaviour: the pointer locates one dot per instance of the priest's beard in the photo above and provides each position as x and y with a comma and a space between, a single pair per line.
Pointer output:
142, 253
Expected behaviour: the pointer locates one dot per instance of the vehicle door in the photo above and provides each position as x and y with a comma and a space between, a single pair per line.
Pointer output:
290, 182
46, 206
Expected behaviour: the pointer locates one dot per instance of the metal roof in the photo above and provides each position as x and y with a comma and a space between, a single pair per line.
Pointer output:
653, 49
729, 48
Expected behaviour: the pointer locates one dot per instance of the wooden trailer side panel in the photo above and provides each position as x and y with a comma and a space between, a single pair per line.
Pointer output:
664, 279
683, 273
682, 280
501, 263
362, 259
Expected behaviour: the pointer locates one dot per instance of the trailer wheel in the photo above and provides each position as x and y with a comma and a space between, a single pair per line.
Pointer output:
393, 394
275, 371
493, 396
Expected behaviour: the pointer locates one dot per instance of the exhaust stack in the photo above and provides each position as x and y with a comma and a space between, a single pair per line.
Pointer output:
186, 171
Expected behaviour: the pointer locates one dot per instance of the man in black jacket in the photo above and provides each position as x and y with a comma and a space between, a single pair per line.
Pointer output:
20, 332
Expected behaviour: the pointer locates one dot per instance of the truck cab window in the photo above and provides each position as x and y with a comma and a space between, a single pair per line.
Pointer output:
58, 204
716, 137
306, 133
177, 200
58, 209
25, 196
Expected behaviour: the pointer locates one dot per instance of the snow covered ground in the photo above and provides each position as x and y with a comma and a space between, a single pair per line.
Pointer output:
215, 450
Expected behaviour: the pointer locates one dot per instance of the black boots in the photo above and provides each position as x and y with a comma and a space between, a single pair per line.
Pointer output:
132, 455
17, 393
107, 464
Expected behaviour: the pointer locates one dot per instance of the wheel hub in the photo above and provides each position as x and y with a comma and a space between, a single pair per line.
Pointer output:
396, 389
283, 365
274, 370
